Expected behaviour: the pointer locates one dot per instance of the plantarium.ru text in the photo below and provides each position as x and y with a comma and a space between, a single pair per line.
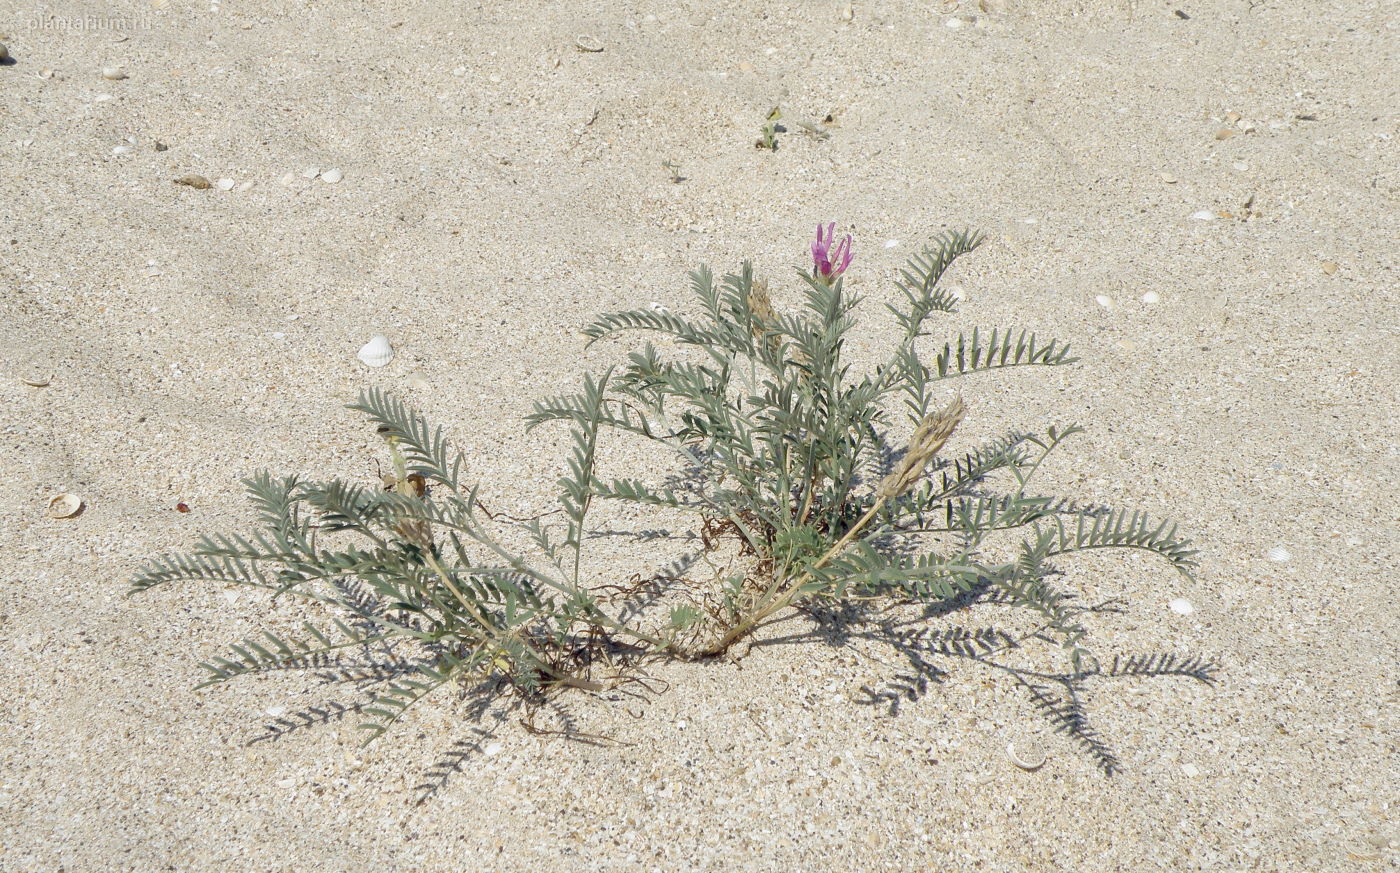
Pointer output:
801, 496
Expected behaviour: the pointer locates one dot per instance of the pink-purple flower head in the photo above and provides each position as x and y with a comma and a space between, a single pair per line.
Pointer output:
829, 261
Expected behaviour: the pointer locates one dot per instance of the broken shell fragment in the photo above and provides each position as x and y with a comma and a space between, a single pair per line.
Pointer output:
114, 74
376, 353
37, 381
1026, 754
587, 43
65, 506
193, 180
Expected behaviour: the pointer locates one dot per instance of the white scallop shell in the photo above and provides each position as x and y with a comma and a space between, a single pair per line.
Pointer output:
1181, 606
1278, 554
376, 353
1026, 754
65, 506
332, 176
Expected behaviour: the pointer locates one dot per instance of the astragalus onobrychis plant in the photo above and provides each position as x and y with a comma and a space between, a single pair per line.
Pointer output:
786, 459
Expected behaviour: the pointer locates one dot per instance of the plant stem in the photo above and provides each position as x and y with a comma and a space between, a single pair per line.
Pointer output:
787, 597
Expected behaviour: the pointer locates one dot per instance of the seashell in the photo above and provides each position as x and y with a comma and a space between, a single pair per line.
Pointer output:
1181, 606
1330, 267
586, 43
114, 74
47, 73
311, 172
492, 749
65, 506
1026, 754
1105, 301
225, 184
289, 179
37, 382
4, 53
193, 180
1278, 554
891, 243
416, 382
1152, 297
332, 176
376, 353
1203, 215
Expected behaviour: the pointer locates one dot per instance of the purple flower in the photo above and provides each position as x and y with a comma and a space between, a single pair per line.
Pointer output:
830, 262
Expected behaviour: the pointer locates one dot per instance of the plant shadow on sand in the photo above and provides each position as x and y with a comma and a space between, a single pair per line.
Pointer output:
930, 652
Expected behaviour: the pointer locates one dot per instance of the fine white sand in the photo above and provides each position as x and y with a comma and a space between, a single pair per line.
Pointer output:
500, 186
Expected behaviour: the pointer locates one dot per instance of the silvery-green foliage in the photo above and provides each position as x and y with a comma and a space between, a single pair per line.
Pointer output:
785, 443
784, 457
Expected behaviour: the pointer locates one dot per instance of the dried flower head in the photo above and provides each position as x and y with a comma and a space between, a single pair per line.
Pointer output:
928, 438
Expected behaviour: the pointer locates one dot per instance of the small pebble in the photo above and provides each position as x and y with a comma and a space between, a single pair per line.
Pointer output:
492, 749
1104, 300
121, 150
1225, 133
289, 782
954, 23
891, 243
47, 73
1190, 770
277, 711
1181, 606
225, 184
115, 74
1203, 215
311, 172
1278, 554
332, 176
289, 179
193, 180
1241, 166
1330, 267
1152, 297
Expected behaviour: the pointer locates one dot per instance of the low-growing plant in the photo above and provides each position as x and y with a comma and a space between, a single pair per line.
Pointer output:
785, 463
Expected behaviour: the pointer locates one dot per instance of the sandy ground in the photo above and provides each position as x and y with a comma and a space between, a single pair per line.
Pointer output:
499, 187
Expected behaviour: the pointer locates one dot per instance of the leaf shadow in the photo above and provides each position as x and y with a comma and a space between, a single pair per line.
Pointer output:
929, 653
